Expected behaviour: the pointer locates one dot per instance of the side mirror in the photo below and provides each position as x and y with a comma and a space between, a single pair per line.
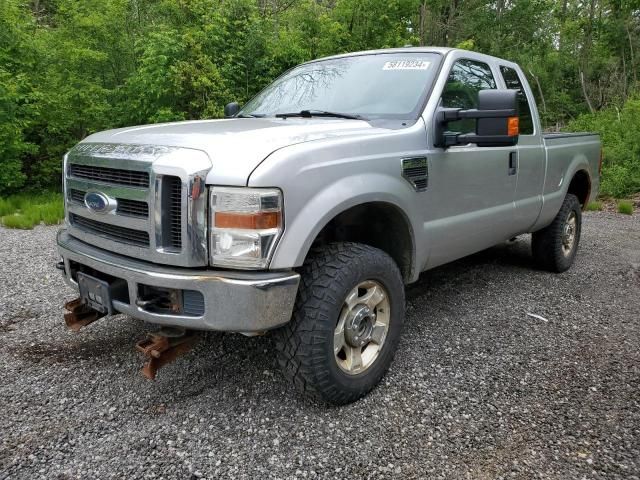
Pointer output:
231, 109
496, 121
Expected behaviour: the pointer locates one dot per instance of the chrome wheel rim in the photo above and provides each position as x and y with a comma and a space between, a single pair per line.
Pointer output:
569, 233
362, 327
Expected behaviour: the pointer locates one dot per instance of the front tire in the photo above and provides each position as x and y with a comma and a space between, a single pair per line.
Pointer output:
346, 323
555, 247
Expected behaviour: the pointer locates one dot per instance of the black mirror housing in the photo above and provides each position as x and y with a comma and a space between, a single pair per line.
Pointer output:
231, 109
492, 100
496, 121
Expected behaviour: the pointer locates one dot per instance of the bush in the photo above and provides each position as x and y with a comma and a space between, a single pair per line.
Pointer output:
625, 206
594, 206
618, 129
8, 205
11, 176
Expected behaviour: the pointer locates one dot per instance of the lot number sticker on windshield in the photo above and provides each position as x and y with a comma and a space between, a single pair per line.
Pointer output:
406, 65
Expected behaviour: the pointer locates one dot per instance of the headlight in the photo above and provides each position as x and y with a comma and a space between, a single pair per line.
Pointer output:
245, 225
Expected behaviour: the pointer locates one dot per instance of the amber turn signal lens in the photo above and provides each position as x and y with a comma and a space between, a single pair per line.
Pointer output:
249, 221
513, 126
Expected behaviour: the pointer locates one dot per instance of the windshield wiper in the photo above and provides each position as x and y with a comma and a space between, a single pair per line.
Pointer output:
319, 113
250, 115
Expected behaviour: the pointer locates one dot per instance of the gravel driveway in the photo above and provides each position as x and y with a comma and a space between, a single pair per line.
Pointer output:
479, 389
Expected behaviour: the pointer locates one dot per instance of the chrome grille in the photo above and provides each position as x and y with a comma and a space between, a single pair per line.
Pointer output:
109, 175
76, 195
174, 206
154, 212
107, 230
131, 208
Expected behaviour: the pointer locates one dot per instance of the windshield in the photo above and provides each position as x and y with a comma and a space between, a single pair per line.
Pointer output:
388, 85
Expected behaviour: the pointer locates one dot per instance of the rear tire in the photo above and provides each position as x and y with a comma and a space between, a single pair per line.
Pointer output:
554, 247
346, 323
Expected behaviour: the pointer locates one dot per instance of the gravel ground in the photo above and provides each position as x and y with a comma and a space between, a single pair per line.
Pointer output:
479, 389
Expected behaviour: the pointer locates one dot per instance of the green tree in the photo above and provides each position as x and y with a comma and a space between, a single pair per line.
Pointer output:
69, 68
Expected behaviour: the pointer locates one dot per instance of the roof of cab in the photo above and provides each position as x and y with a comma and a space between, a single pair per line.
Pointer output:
439, 50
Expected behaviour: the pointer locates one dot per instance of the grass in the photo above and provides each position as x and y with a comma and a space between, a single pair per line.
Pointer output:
625, 206
594, 206
25, 211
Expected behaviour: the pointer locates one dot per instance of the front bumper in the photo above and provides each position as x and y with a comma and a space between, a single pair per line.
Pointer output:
233, 301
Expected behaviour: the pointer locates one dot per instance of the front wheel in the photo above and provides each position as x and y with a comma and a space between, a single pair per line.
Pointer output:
346, 323
554, 247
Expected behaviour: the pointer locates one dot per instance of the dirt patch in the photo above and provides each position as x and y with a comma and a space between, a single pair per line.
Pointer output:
8, 325
81, 348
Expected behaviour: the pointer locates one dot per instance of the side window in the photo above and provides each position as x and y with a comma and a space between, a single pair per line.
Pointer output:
466, 79
512, 81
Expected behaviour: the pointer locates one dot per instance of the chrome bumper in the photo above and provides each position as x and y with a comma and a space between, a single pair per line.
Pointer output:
234, 301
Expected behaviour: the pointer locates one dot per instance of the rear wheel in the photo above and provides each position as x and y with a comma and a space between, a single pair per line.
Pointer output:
555, 247
346, 323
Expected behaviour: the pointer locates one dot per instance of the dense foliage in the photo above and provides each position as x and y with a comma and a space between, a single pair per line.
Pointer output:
72, 67
620, 130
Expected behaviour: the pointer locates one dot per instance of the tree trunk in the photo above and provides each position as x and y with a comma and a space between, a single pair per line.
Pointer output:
584, 92
624, 74
563, 19
423, 21
631, 54
588, 36
544, 103
449, 23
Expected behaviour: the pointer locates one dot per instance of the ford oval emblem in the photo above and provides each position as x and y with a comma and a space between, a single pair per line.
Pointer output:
99, 202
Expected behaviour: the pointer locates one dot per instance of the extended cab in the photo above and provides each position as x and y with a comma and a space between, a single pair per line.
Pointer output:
306, 211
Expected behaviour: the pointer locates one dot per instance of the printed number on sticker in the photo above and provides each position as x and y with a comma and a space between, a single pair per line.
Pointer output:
406, 65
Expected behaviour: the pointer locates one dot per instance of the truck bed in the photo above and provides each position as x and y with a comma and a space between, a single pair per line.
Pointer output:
563, 152
562, 135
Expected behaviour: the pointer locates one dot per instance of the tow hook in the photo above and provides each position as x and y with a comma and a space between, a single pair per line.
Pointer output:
80, 315
163, 347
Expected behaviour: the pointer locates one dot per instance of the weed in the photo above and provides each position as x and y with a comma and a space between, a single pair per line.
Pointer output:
594, 206
625, 206
24, 211
18, 221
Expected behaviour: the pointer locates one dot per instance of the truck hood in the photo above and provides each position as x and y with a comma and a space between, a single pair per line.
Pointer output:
235, 146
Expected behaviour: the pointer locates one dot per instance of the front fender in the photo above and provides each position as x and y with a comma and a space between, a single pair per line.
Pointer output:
335, 198
321, 179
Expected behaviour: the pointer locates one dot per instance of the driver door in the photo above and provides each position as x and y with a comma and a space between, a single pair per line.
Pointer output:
471, 201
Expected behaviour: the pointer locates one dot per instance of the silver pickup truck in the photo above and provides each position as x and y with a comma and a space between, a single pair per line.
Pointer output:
307, 211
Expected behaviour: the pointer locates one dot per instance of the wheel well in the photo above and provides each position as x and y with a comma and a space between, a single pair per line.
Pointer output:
378, 224
580, 186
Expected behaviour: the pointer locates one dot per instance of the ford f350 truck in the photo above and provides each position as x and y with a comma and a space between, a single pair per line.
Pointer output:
307, 211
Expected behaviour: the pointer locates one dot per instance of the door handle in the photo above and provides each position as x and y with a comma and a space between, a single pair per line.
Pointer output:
513, 163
